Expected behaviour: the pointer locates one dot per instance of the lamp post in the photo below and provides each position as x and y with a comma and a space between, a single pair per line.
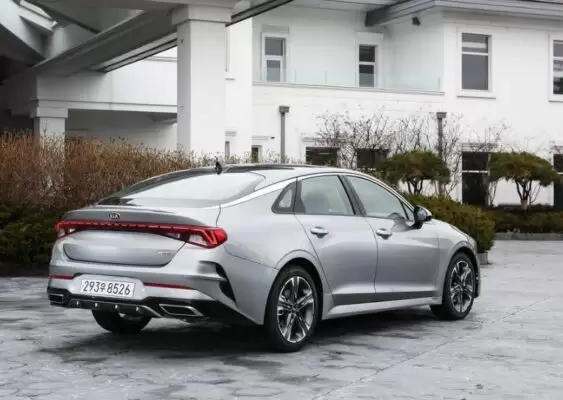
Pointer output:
283, 110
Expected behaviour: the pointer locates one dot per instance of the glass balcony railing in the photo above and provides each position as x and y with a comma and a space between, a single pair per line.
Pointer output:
346, 80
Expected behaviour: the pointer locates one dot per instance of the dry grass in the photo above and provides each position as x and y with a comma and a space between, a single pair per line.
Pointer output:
72, 173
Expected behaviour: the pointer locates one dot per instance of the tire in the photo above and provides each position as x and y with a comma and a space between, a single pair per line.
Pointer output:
450, 309
118, 324
303, 317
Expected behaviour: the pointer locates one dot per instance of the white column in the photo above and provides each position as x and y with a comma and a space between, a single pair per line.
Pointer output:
240, 90
201, 78
49, 122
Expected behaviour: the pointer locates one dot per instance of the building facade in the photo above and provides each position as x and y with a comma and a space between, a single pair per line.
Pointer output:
495, 68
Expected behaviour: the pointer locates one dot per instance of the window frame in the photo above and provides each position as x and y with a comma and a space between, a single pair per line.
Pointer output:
259, 153
481, 172
299, 208
404, 204
369, 39
373, 64
489, 93
283, 59
312, 149
552, 39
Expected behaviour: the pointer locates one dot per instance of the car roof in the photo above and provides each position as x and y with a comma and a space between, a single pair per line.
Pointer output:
274, 173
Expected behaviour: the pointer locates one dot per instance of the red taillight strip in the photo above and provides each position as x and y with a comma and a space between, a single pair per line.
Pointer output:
62, 277
166, 286
213, 236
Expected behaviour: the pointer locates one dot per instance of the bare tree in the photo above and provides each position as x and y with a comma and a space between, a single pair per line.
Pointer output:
353, 134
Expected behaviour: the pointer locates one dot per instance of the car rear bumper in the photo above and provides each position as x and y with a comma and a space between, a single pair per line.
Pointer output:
194, 275
194, 307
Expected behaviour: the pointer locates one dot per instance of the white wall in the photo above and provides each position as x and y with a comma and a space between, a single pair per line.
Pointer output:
413, 54
415, 57
322, 48
321, 44
137, 128
520, 86
308, 104
145, 86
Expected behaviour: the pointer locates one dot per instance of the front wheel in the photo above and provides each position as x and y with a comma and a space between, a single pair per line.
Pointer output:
459, 289
120, 324
292, 310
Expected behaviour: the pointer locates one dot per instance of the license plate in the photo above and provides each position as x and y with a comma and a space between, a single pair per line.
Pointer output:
107, 288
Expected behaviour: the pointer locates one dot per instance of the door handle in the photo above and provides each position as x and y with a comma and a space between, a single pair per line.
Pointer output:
384, 233
318, 231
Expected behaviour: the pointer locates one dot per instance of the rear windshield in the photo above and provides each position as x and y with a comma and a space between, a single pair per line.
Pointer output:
187, 189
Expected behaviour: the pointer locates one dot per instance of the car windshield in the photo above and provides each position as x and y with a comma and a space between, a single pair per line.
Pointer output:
196, 188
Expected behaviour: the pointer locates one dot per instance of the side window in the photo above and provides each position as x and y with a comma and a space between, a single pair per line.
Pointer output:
377, 201
324, 195
286, 199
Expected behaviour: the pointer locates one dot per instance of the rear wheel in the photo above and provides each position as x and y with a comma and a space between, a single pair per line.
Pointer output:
120, 324
292, 310
459, 289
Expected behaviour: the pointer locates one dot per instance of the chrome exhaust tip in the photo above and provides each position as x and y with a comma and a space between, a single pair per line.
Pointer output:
180, 310
57, 298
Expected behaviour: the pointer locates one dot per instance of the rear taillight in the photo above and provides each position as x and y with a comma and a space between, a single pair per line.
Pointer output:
207, 237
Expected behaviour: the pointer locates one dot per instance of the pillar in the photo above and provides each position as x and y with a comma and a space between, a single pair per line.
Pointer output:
201, 78
49, 122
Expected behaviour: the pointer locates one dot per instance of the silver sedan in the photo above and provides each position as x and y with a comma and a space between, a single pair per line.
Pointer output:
280, 246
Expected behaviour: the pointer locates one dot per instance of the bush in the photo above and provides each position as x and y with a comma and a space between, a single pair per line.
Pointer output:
27, 236
41, 182
413, 168
471, 220
537, 222
71, 174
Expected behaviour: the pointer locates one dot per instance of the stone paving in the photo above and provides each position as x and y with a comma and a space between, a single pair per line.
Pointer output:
511, 347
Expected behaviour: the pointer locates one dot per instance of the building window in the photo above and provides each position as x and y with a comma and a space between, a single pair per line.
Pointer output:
558, 67
369, 159
367, 76
321, 156
274, 59
227, 149
558, 187
255, 154
475, 61
475, 168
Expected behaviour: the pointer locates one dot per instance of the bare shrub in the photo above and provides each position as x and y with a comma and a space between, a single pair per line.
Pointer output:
71, 173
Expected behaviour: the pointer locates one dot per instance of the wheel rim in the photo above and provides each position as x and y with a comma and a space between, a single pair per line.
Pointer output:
295, 309
461, 286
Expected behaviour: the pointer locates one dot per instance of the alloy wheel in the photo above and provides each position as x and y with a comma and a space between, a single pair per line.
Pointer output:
295, 309
462, 286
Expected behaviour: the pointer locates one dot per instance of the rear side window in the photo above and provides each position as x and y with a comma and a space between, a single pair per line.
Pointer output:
187, 189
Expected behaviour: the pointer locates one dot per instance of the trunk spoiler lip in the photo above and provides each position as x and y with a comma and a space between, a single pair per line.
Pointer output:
137, 215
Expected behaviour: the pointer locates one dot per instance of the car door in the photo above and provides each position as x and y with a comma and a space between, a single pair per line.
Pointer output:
341, 237
408, 256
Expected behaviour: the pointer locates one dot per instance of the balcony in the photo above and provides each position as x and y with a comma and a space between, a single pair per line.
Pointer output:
404, 83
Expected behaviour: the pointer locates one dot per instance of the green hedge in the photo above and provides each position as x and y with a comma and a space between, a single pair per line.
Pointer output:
471, 220
535, 222
26, 236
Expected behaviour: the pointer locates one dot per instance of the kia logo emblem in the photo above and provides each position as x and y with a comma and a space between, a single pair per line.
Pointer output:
114, 216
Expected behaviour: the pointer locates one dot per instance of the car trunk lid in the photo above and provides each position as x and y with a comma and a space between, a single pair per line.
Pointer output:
131, 235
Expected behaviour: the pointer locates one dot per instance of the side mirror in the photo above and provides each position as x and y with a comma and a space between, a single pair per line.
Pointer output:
421, 215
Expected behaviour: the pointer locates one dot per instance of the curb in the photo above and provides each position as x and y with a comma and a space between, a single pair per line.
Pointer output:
528, 236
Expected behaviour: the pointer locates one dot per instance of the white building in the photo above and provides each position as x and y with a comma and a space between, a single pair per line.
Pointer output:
79, 67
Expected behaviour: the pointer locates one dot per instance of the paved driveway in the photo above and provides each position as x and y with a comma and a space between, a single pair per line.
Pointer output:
510, 348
